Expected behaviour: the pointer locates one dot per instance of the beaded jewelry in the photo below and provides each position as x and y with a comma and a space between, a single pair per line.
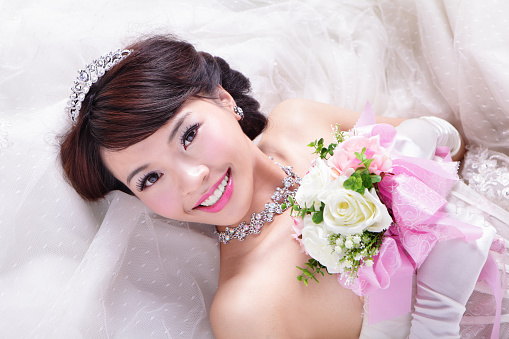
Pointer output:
280, 196
239, 112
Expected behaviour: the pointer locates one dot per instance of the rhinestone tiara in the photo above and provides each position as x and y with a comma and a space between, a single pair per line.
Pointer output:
89, 75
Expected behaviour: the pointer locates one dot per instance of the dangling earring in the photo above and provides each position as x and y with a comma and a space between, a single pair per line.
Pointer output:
239, 112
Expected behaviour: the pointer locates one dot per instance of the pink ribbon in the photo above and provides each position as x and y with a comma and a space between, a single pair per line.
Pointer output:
416, 192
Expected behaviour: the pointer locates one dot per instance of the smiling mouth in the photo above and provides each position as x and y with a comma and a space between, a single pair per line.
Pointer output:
218, 193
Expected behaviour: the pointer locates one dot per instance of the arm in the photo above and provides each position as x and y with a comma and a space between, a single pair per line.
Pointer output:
301, 118
315, 115
445, 281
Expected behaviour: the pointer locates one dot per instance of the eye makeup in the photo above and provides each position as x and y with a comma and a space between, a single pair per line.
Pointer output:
148, 180
186, 139
189, 135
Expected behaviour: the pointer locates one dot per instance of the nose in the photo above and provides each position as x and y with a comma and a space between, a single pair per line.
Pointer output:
193, 177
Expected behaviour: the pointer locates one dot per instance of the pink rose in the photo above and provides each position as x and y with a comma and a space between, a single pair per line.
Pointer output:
380, 163
345, 162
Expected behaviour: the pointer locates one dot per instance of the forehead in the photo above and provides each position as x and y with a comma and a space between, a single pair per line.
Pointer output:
121, 162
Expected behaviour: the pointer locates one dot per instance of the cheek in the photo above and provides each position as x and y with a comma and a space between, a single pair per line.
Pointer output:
217, 146
163, 203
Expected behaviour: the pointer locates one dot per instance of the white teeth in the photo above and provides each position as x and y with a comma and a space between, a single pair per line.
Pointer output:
218, 193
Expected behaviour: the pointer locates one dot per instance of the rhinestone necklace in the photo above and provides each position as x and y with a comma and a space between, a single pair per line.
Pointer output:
280, 196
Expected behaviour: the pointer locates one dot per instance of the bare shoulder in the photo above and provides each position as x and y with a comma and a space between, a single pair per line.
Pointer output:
299, 112
243, 312
301, 118
294, 123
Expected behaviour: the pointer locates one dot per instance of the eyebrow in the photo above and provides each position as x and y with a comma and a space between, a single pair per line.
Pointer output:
179, 123
136, 171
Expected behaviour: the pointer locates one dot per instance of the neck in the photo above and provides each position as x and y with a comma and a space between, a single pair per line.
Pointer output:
267, 177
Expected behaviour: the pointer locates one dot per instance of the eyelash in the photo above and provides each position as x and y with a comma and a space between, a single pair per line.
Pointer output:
142, 182
187, 133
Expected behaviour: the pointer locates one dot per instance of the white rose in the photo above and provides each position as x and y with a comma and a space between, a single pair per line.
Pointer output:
316, 242
318, 176
348, 212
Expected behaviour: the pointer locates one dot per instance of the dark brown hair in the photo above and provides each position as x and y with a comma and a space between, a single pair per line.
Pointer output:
137, 97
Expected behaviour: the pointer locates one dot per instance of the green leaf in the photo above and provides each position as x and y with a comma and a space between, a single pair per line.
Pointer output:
366, 179
375, 178
290, 199
367, 162
318, 217
314, 267
361, 156
354, 182
331, 148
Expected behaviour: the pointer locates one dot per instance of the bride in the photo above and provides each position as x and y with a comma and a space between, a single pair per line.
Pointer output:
174, 127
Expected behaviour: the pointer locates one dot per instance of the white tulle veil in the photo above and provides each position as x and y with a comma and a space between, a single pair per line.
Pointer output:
114, 269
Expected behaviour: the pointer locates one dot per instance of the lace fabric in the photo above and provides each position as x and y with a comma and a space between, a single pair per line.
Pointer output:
487, 172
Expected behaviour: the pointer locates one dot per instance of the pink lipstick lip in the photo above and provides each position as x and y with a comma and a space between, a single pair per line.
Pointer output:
211, 190
222, 202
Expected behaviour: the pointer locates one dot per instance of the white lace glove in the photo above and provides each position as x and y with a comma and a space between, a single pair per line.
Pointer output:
445, 281
420, 137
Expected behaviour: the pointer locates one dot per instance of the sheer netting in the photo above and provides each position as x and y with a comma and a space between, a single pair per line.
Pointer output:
113, 269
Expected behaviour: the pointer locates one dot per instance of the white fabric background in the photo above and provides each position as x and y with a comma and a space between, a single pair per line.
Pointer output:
111, 269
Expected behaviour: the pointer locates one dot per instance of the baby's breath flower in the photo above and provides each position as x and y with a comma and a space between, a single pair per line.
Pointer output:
338, 249
348, 243
356, 239
368, 263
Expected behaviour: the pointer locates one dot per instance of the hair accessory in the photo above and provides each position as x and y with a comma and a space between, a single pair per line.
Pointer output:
89, 75
239, 111
280, 196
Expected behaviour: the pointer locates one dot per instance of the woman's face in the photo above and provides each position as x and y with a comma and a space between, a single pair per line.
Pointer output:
197, 167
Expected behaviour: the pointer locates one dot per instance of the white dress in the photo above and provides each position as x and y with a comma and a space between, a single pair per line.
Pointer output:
112, 269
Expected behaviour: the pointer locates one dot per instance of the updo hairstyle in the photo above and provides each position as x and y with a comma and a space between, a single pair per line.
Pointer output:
138, 96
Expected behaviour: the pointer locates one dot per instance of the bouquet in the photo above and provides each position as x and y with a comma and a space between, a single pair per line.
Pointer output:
342, 218
371, 213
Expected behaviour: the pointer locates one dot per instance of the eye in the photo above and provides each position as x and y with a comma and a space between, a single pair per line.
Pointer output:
148, 180
189, 135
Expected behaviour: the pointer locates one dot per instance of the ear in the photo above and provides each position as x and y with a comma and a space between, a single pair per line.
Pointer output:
225, 98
